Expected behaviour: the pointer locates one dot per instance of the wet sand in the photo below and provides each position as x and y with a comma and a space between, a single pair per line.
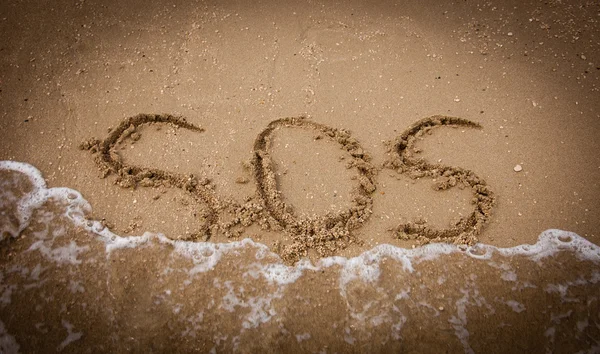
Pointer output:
69, 283
341, 181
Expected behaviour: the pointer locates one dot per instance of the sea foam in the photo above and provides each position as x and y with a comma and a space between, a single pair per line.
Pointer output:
442, 281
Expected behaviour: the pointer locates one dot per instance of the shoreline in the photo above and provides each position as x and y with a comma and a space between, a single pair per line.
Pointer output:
475, 284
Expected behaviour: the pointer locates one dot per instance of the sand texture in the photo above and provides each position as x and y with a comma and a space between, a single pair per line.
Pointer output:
417, 176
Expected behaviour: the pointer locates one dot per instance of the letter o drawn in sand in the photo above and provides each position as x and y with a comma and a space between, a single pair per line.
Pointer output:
324, 233
464, 231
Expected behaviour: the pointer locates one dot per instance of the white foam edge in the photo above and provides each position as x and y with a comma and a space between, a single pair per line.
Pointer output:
364, 267
31, 200
8, 343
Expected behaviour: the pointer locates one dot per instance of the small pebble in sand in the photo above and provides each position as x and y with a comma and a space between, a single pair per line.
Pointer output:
518, 168
242, 180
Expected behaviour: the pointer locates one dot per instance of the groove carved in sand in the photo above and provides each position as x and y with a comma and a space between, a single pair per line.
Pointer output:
110, 162
466, 229
325, 234
328, 233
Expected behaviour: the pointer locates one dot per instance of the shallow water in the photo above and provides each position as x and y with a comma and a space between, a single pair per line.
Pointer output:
68, 283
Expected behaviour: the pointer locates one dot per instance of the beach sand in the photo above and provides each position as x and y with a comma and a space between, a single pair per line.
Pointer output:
315, 176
